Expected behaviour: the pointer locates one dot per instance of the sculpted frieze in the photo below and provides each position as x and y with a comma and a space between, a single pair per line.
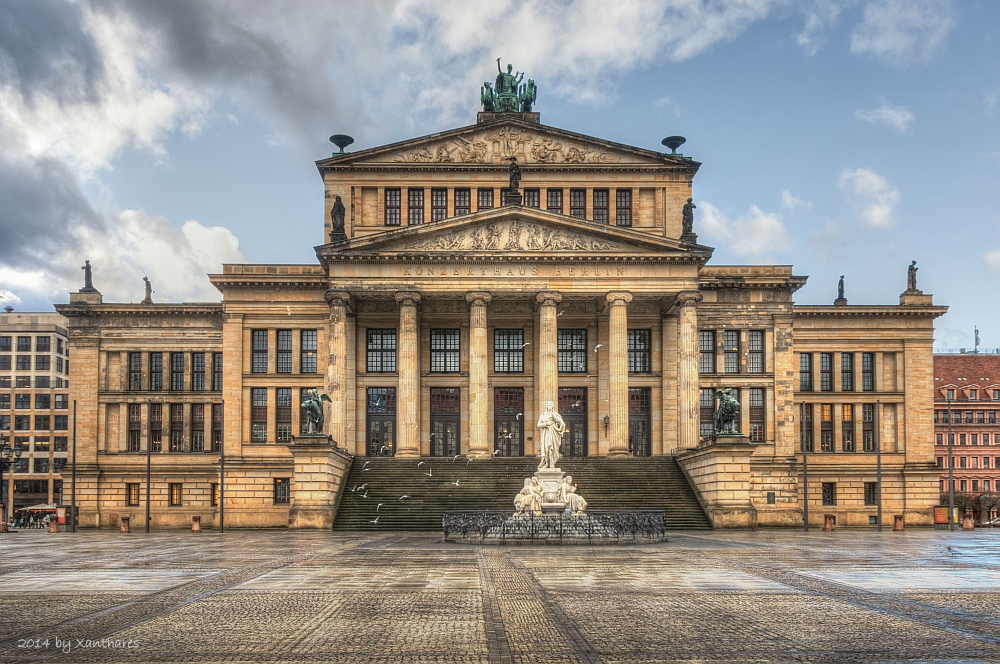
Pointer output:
504, 143
515, 235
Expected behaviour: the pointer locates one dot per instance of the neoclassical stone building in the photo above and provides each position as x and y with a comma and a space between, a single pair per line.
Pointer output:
444, 314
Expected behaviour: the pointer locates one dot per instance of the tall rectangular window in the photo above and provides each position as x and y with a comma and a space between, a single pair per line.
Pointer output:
847, 427
578, 203
755, 351
847, 372
259, 351
532, 198
868, 372
392, 201
216, 427
284, 364
134, 441
868, 427
484, 199
623, 207
554, 200
572, 351
282, 490
258, 415
807, 427
439, 204
871, 493
805, 372
731, 351
601, 206
829, 493
198, 427
415, 207
706, 351
4, 344
508, 351
826, 372
217, 372
156, 427
640, 351
176, 427
176, 494
198, 372
283, 414
445, 356
826, 428
706, 411
463, 201
177, 371
132, 494
381, 350
5, 363
756, 414
135, 371
307, 362
156, 371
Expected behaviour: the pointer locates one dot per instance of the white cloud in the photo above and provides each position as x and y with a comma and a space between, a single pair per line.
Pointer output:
901, 32
895, 117
756, 235
992, 259
819, 14
8, 297
666, 101
872, 193
791, 202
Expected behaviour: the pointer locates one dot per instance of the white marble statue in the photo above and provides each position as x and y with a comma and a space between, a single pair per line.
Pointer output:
552, 428
569, 497
529, 499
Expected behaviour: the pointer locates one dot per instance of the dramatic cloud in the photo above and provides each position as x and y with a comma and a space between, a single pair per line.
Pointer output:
992, 259
756, 235
901, 32
896, 117
872, 194
791, 202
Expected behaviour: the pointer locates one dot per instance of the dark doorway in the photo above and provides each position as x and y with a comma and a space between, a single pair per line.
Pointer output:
446, 417
573, 408
638, 421
381, 421
508, 421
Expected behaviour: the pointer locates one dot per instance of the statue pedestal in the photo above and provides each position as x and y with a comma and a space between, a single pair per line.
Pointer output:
319, 472
550, 479
840, 302
512, 199
689, 237
337, 237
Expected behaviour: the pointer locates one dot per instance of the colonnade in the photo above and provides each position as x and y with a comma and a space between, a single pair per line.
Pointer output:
408, 370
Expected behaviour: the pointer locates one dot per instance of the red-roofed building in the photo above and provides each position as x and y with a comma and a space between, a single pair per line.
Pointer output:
971, 382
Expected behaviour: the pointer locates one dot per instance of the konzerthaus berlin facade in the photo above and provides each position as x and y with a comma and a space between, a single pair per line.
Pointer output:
444, 317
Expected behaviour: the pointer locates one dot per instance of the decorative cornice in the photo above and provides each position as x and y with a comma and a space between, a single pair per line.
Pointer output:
867, 311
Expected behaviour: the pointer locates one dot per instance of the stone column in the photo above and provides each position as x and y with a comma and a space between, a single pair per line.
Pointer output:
618, 372
336, 367
478, 374
548, 349
408, 369
687, 369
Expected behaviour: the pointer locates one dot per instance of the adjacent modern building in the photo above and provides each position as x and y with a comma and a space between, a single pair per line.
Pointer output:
449, 302
966, 404
34, 405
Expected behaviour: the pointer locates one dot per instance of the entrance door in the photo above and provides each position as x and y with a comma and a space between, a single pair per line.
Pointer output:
638, 421
508, 421
445, 420
381, 421
573, 408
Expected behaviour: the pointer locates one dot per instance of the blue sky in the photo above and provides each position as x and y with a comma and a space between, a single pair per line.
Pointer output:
166, 138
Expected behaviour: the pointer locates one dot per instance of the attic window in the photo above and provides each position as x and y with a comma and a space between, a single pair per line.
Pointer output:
973, 395
951, 395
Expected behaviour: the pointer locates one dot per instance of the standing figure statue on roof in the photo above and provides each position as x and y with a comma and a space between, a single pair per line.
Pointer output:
337, 215
149, 291
911, 276
88, 277
515, 176
687, 217
506, 88
840, 288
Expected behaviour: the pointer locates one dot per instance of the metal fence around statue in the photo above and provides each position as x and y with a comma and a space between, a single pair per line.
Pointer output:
590, 528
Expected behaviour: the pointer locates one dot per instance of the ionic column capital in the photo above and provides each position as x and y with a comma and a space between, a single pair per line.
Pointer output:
480, 298
689, 298
619, 298
548, 298
408, 298
337, 298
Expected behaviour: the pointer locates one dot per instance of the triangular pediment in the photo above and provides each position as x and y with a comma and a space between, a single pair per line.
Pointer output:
517, 231
496, 142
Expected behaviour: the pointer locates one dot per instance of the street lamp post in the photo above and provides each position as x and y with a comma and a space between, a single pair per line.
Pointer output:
878, 461
951, 472
8, 455
805, 467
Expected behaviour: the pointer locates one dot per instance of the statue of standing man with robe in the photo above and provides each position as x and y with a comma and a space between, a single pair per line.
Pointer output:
552, 428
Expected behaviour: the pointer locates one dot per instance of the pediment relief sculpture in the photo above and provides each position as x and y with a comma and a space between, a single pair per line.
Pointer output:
514, 235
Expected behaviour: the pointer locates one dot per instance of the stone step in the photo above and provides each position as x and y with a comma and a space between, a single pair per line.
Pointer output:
491, 484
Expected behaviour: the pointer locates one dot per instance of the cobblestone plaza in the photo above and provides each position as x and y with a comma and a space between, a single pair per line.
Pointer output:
305, 596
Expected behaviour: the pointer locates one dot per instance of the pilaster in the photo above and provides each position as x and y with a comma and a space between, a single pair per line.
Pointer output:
618, 372
478, 375
548, 348
336, 371
408, 368
687, 369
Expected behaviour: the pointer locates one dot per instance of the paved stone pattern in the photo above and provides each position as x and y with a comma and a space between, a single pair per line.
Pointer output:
280, 596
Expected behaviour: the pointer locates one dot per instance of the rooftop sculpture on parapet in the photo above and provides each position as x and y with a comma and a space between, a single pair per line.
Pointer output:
508, 94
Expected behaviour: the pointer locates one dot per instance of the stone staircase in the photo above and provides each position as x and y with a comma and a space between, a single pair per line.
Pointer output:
491, 484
